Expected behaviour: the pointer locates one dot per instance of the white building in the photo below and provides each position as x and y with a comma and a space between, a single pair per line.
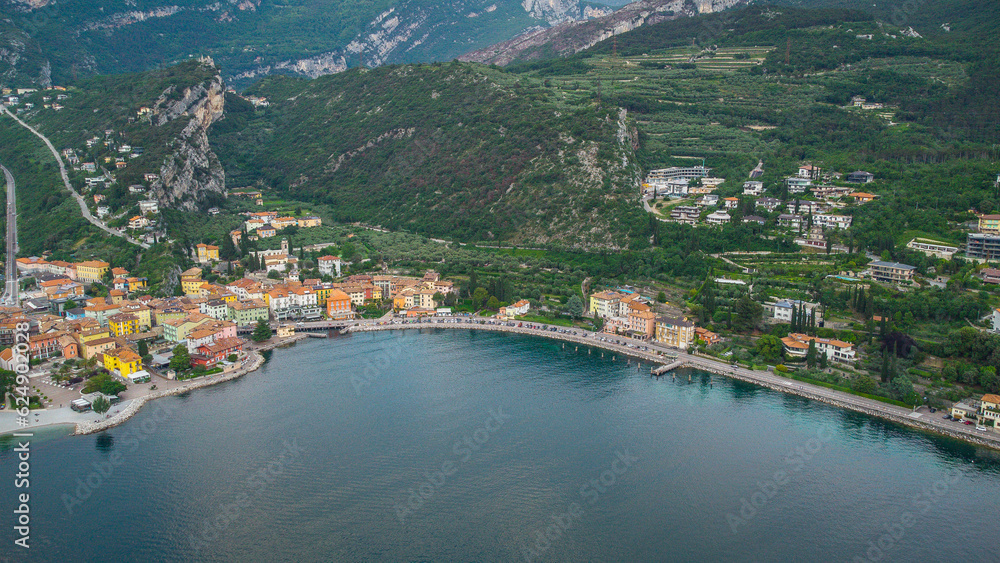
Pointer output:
149, 206
753, 188
329, 264
718, 218
832, 221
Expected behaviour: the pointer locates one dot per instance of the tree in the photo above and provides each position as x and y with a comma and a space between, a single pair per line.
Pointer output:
493, 303
261, 332
104, 383
228, 250
768, 348
273, 275
101, 405
811, 354
661, 297
181, 360
864, 384
748, 314
479, 297
575, 306
598, 322
143, 348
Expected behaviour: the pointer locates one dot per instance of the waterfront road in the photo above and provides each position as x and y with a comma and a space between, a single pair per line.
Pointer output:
65, 178
920, 418
10, 295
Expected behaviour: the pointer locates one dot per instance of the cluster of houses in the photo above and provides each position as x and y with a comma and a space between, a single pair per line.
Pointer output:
246, 301
627, 312
266, 224
810, 219
13, 97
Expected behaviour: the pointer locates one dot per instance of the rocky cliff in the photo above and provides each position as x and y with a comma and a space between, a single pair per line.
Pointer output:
574, 36
192, 170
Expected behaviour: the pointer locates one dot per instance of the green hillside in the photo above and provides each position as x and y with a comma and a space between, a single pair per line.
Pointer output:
449, 150
776, 89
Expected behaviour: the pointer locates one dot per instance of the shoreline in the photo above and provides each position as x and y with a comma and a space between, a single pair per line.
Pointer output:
919, 421
251, 363
923, 421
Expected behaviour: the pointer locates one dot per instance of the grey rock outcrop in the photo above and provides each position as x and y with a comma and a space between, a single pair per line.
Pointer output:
192, 171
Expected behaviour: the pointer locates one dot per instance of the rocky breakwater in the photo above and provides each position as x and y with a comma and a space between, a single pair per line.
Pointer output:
192, 171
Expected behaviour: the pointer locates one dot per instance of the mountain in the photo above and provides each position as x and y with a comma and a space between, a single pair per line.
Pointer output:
47, 41
574, 36
451, 150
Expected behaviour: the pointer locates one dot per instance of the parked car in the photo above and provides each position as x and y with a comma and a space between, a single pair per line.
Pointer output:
947, 417
968, 422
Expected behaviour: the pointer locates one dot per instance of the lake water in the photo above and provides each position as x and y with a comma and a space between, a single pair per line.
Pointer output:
454, 445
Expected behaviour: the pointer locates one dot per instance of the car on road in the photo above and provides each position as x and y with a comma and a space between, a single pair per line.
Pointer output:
968, 422
981, 428
947, 417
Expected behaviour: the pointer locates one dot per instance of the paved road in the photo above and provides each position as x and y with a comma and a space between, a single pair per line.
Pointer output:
65, 178
10, 295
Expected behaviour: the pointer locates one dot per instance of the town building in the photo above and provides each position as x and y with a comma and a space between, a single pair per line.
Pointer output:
207, 253
933, 248
860, 177
989, 223
329, 265
797, 345
605, 304
753, 188
91, 271
247, 313
862, 197
982, 246
892, 271
718, 218
339, 305
678, 333
122, 361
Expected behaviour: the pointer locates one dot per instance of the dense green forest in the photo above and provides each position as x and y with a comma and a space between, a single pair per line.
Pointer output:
451, 150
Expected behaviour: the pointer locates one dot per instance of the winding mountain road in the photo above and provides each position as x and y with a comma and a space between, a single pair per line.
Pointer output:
65, 178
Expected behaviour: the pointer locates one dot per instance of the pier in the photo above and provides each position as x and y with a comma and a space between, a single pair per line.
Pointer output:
667, 368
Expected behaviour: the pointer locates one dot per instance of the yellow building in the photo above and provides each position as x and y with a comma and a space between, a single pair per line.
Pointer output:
141, 312
124, 360
191, 282
123, 324
678, 333
207, 252
605, 303
91, 271
309, 222
135, 284
989, 223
